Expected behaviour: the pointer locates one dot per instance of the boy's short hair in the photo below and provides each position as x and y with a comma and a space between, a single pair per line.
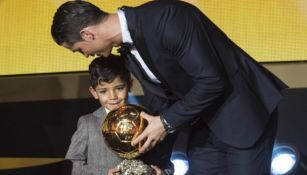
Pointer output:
71, 17
107, 69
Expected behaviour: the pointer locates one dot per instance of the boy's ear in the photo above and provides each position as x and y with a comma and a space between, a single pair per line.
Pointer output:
87, 34
93, 92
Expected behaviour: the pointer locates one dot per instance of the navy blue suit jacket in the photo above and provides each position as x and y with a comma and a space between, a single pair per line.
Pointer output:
208, 74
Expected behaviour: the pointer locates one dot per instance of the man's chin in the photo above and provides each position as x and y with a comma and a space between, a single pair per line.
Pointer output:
105, 54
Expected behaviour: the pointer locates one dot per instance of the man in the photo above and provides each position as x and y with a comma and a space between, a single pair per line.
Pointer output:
191, 73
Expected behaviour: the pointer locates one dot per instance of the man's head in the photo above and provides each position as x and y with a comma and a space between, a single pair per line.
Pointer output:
81, 26
71, 17
110, 81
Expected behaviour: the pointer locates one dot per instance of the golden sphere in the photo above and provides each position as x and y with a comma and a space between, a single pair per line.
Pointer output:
120, 127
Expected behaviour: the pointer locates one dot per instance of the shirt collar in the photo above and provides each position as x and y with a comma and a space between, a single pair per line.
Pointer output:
107, 110
126, 37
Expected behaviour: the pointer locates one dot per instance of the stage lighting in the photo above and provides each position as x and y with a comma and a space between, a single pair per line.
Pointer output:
285, 159
180, 162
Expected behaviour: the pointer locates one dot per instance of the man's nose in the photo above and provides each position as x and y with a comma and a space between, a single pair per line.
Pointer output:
86, 55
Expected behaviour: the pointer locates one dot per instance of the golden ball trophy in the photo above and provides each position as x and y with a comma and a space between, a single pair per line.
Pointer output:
119, 128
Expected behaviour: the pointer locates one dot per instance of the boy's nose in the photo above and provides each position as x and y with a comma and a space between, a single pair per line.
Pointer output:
113, 95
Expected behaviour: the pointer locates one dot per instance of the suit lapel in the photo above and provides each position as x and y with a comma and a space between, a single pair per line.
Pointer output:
135, 68
135, 30
100, 114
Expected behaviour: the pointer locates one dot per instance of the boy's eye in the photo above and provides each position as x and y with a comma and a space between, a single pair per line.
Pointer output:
120, 88
102, 91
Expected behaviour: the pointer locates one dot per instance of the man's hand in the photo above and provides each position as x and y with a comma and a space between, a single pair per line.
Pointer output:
157, 170
153, 133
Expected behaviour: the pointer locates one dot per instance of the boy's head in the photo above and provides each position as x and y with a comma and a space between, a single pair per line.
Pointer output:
110, 81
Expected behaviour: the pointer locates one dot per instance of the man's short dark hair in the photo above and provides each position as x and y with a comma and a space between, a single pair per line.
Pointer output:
107, 69
71, 17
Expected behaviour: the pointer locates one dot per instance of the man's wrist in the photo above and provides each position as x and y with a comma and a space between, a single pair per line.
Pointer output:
168, 128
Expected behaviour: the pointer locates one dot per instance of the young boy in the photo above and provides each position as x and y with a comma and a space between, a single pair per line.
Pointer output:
110, 84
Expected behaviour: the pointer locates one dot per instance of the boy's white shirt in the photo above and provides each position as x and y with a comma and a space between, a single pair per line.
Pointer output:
107, 110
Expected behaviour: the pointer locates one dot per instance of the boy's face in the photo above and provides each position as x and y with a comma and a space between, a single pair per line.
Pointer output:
111, 95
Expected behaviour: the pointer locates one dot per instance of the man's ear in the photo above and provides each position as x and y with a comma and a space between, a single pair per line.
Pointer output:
87, 34
93, 92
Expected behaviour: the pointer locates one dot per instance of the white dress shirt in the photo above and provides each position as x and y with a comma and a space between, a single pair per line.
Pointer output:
126, 38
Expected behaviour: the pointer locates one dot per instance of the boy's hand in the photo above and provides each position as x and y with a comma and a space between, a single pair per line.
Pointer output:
153, 133
113, 171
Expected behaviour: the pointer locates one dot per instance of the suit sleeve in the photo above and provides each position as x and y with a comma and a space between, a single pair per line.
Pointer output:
78, 149
185, 35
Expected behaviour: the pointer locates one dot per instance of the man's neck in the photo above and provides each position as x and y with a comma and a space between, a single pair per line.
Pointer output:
112, 26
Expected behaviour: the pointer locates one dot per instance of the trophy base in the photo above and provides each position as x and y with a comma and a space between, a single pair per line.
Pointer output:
134, 167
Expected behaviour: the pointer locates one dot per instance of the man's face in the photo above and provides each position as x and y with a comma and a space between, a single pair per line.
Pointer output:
111, 95
91, 48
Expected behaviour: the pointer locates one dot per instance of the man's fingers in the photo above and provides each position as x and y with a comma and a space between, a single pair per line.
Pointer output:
138, 139
157, 169
145, 146
143, 135
145, 116
151, 135
148, 145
